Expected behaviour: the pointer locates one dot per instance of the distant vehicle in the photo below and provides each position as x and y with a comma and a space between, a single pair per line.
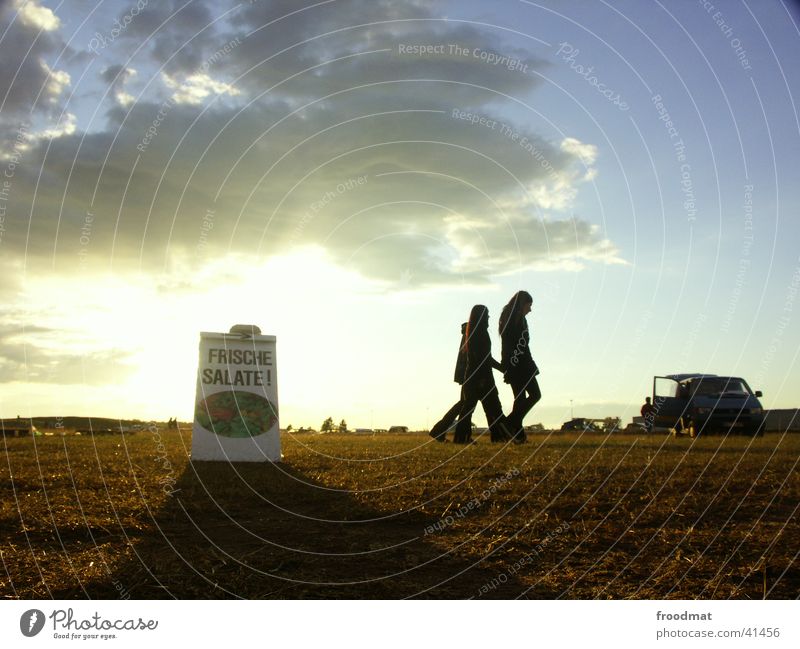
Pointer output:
18, 428
364, 431
581, 423
707, 403
398, 429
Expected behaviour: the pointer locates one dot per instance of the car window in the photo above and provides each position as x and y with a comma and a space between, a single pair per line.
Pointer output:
665, 387
717, 386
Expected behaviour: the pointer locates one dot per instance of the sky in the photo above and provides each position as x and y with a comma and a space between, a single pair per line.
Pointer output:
353, 177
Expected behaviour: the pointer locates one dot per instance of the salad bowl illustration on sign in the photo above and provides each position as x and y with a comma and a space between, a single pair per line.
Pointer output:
233, 413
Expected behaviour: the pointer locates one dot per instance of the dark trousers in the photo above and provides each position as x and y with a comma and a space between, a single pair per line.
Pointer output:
486, 393
440, 428
526, 395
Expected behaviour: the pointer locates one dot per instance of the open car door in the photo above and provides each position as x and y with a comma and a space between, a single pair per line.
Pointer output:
669, 406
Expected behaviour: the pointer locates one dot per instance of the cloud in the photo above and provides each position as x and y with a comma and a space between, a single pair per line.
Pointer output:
33, 15
31, 91
31, 354
172, 29
448, 195
116, 76
197, 87
295, 186
587, 153
27, 82
346, 45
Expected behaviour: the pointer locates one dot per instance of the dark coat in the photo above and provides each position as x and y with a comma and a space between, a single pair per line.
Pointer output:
478, 371
461, 361
517, 362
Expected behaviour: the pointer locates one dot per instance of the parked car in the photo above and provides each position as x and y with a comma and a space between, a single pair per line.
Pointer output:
706, 403
581, 423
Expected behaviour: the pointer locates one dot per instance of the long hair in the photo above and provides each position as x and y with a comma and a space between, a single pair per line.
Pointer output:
478, 320
513, 310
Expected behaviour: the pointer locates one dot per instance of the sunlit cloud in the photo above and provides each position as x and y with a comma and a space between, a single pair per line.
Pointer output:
197, 87
32, 14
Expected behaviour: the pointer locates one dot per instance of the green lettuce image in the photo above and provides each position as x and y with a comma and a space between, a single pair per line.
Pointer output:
234, 413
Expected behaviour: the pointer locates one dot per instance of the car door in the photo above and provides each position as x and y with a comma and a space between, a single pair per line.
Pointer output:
669, 407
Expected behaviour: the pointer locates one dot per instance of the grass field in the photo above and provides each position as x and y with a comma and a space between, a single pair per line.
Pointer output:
395, 516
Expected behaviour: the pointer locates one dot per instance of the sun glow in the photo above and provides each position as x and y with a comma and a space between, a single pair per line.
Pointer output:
150, 329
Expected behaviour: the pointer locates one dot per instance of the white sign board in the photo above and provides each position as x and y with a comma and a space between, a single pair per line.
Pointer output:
236, 404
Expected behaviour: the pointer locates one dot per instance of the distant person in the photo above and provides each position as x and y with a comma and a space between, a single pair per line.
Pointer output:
649, 413
440, 428
519, 368
479, 381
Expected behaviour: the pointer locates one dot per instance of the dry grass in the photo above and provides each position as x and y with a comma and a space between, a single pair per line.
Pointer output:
356, 517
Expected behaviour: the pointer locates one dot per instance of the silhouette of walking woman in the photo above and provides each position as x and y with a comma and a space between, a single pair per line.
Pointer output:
479, 382
518, 364
440, 428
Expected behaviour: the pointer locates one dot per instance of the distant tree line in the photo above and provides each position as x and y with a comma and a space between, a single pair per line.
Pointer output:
329, 427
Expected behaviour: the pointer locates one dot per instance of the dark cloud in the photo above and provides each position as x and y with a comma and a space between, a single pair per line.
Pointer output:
343, 45
290, 186
29, 87
177, 32
261, 173
23, 358
115, 77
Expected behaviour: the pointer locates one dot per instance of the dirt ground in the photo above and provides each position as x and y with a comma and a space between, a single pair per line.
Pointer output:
398, 516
